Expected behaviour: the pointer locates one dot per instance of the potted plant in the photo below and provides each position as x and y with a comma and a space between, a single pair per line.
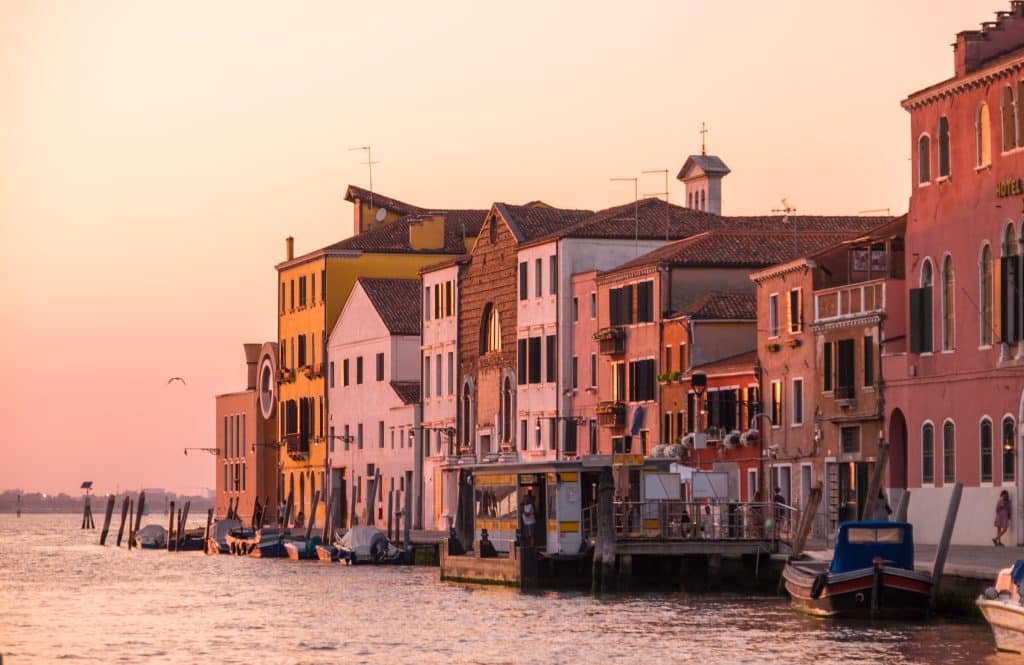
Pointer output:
664, 377
675, 376
793, 343
772, 347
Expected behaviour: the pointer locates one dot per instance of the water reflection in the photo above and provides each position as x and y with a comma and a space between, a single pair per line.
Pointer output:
65, 598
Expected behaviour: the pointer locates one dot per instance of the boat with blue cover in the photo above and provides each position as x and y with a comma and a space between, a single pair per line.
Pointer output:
871, 575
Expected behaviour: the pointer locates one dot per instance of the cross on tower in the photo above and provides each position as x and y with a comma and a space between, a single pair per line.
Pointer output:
703, 139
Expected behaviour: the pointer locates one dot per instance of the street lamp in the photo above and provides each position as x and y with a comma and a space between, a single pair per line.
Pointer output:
212, 451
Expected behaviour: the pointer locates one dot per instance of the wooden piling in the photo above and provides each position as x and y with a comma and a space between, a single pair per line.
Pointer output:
183, 528
868, 511
352, 517
606, 530
391, 508
904, 505
138, 512
111, 500
131, 531
255, 511
312, 515
807, 519
206, 535
124, 518
406, 535
170, 529
625, 573
947, 535
288, 508
329, 516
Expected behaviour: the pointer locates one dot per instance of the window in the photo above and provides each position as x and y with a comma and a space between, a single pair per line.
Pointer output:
490, 338
985, 296
451, 373
538, 274
844, 388
312, 289
359, 369
776, 403
449, 298
331, 371
291, 295
380, 433
359, 436
1008, 278
575, 309
593, 369
641, 380
426, 304
552, 275
282, 311
344, 372
592, 436
620, 305
869, 360
533, 360
773, 315
849, 440
983, 136
924, 169
645, 302
798, 401
927, 454
380, 366
549, 361
553, 434
522, 434
618, 381
1008, 115
593, 305
302, 351
948, 452
948, 330
575, 372
522, 281
1009, 446
796, 317
506, 410
943, 147
985, 443
437, 368
323, 285
302, 292
426, 376
536, 431
682, 357
521, 361
921, 312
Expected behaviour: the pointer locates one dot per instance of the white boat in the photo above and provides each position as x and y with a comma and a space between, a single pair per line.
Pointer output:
366, 544
151, 536
1003, 610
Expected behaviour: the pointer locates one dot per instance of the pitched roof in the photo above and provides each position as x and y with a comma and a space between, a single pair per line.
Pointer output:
538, 219
709, 164
740, 362
722, 305
397, 301
407, 391
645, 219
394, 236
354, 192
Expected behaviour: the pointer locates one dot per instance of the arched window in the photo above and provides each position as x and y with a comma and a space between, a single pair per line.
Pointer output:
1008, 444
948, 330
467, 412
1008, 109
490, 330
703, 200
689, 199
985, 295
927, 454
983, 136
1009, 241
985, 443
924, 164
948, 452
506, 411
943, 147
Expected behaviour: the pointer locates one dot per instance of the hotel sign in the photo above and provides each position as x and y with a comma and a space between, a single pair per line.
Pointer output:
1012, 187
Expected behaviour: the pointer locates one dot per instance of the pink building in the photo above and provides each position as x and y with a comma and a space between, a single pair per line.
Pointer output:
955, 383
582, 384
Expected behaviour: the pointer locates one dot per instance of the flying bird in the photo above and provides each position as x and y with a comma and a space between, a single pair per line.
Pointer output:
176, 378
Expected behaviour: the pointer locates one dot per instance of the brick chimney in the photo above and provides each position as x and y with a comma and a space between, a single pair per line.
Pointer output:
289, 248
973, 48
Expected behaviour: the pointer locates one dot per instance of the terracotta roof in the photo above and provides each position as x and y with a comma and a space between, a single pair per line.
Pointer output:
722, 305
746, 248
731, 365
394, 236
407, 391
447, 263
354, 192
397, 301
538, 219
644, 219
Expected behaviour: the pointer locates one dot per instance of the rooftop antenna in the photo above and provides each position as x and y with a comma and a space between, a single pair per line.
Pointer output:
636, 211
369, 164
703, 139
668, 212
786, 211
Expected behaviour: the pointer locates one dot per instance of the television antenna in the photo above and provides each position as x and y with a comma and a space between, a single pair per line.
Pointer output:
668, 211
636, 212
369, 165
786, 211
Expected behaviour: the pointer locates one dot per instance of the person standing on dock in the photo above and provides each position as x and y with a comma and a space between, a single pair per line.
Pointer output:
529, 517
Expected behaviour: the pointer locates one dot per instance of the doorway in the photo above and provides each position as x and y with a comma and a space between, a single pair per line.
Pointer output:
897, 450
532, 489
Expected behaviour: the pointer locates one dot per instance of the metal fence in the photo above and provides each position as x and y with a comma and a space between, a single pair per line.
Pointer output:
683, 520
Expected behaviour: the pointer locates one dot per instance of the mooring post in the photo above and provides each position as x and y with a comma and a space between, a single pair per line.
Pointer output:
131, 515
625, 573
206, 536
606, 527
177, 531
904, 505
255, 511
407, 534
124, 518
329, 516
355, 494
288, 508
170, 529
807, 519
876, 482
138, 511
183, 529
111, 500
391, 508
312, 515
947, 535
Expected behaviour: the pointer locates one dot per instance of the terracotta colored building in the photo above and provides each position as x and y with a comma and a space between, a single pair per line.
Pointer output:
955, 383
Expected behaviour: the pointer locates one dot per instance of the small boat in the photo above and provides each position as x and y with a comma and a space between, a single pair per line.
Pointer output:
267, 542
366, 544
218, 540
151, 537
327, 553
871, 575
303, 550
1002, 608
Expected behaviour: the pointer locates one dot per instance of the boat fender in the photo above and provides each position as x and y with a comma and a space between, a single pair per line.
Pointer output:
820, 581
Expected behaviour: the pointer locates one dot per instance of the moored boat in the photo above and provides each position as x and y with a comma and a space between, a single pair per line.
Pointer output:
303, 550
1002, 608
267, 542
366, 544
151, 537
217, 543
871, 575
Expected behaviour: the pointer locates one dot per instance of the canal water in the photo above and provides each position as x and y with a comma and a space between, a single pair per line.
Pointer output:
64, 598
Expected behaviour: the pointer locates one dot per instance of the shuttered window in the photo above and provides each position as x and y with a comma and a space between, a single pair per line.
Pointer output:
844, 368
828, 378
533, 359
921, 320
549, 344
645, 302
641, 380
521, 361
869, 360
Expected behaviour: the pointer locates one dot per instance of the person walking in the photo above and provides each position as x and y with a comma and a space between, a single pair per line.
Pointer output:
1002, 522
529, 518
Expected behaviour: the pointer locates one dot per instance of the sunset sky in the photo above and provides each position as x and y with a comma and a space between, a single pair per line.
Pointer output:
153, 157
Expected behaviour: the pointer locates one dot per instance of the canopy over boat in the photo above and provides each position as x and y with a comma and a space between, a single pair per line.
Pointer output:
858, 543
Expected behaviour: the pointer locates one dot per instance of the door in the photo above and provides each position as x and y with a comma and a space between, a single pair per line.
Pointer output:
532, 490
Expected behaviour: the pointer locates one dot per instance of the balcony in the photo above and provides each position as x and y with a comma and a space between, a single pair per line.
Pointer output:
297, 446
611, 341
286, 375
611, 414
849, 301
845, 396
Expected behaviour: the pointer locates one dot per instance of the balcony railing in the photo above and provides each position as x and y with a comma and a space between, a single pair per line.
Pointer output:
297, 446
611, 414
844, 392
849, 301
611, 341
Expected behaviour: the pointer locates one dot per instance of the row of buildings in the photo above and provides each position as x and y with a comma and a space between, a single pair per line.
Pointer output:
779, 349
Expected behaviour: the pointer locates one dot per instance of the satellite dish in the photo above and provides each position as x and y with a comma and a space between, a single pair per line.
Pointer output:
381, 214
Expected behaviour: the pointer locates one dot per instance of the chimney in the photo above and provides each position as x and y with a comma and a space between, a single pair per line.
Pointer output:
289, 248
252, 357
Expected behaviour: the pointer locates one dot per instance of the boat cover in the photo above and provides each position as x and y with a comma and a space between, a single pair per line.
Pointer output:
222, 528
858, 543
152, 534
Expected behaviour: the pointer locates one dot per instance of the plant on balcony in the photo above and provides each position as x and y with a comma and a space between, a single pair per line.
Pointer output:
773, 347
609, 408
608, 334
793, 343
665, 377
676, 375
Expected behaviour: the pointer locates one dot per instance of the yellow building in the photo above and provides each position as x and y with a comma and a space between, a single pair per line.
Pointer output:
390, 239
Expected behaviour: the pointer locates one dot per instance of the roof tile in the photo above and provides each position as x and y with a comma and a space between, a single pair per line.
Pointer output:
397, 301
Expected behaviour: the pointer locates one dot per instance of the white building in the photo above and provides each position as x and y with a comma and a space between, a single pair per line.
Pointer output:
373, 397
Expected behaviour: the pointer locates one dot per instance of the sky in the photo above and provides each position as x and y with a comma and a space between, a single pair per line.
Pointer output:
154, 156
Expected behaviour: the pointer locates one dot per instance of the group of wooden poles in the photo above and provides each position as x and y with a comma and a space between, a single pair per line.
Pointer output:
131, 516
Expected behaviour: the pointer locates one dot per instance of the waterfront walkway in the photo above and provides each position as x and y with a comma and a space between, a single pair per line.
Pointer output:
968, 561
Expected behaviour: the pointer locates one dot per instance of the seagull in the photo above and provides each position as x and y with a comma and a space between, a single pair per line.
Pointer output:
176, 378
